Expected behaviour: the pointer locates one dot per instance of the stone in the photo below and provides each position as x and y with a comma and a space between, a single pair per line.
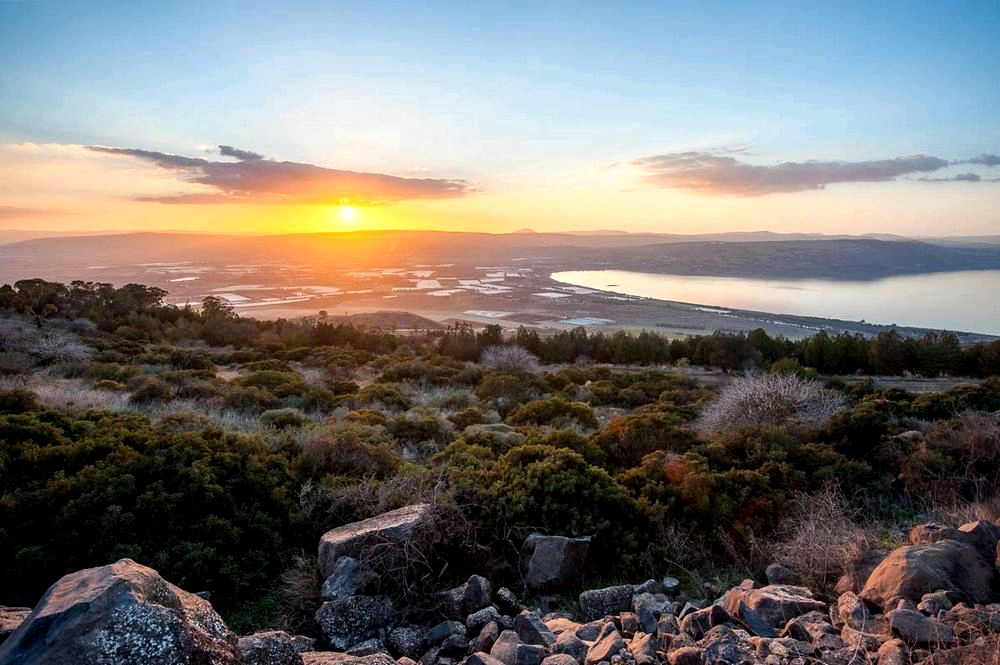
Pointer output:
858, 569
530, 628
629, 623
649, 586
933, 603
685, 656
696, 624
722, 644
851, 610
983, 651
516, 653
809, 627
608, 643
597, 603
481, 658
393, 527
487, 637
349, 621
788, 647
123, 613
554, 563
10, 619
442, 631
588, 632
406, 641
507, 601
478, 619
643, 649
272, 647
349, 577
455, 646
910, 572
560, 659
302, 643
465, 599
338, 658
403, 660
859, 641
753, 622
918, 630
894, 652
367, 648
981, 535
775, 603
778, 573
560, 624
571, 645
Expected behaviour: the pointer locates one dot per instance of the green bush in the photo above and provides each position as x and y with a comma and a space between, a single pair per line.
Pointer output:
151, 389
555, 412
349, 449
282, 418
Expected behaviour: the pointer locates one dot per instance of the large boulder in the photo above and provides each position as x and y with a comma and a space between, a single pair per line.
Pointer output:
461, 601
918, 630
273, 647
391, 528
912, 571
349, 621
122, 613
776, 603
980, 535
349, 577
858, 569
553, 563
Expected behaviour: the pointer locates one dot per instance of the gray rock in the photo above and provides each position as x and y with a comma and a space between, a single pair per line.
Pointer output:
753, 622
932, 603
348, 621
349, 577
559, 659
810, 627
894, 652
507, 601
598, 603
649, 586
353, 539
302, 643
788, 647
367, 648
775, 603
269, 648
778, 573
554, 563
696, 624
123, 613
442, 631
487, 637
406, 641
468, 598
482, 658
918, 630
851, 610
509, 649
455, 646
338, 658
859, 641
722, 644
858, 569
571, 645
478, 619
609, 643
588, 632
530, 628
671, 585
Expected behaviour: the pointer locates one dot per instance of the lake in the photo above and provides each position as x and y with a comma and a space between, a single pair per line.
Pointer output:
966, 301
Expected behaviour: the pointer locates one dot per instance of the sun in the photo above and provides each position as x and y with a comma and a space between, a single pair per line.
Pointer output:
348, 213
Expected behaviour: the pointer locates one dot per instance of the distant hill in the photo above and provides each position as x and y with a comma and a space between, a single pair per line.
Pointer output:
82, 257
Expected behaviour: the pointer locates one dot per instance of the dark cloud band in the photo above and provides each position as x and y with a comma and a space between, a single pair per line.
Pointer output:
254, 179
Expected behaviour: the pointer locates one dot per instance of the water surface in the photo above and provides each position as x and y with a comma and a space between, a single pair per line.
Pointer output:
965, 301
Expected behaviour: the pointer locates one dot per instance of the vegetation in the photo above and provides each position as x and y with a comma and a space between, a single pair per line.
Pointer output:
217, 449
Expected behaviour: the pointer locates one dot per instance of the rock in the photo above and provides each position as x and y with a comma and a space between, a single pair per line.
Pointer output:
531, 630
696, 624
980, 535
671, 585
560, 625
467, 598
122, 613
349, 577
629, 623
778, 573
509, 649
667, 625
571, 645
685, 656
301, 643
337, 658
559, 659
810, 627
597, 603
788, 647
403, 660
971, 622
442, 631
507, 601
649, 586
554, 563
983, 651
455, 646
858, 570
481, 658
367, 648
10, 619
932, 603
608, 643
269, 648
775, 603
588, 632
406, 641
916, 629
910, 572
894, 652
487, 637
722, 644
477, 620
859, 641
352, 539
347, 621
851, 610
643, 649
753, 622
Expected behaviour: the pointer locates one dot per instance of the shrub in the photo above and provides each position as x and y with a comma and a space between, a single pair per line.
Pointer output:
467, 417
282, 418
381, 394
281, 384
626, 440
151, 389
510, 360
555, 412
18, 400
249, 400
108, 384
753, 400
351, 450
497, 437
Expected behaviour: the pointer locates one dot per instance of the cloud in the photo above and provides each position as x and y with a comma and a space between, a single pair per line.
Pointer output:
255, 179
985, 160
14, 212
715, 173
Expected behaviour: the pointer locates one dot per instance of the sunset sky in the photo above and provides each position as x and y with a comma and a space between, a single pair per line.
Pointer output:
688, 117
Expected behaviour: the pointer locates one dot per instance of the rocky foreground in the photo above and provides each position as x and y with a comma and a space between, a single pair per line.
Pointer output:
934, 601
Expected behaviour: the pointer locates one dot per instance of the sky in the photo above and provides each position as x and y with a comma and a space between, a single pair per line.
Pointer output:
275, 117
